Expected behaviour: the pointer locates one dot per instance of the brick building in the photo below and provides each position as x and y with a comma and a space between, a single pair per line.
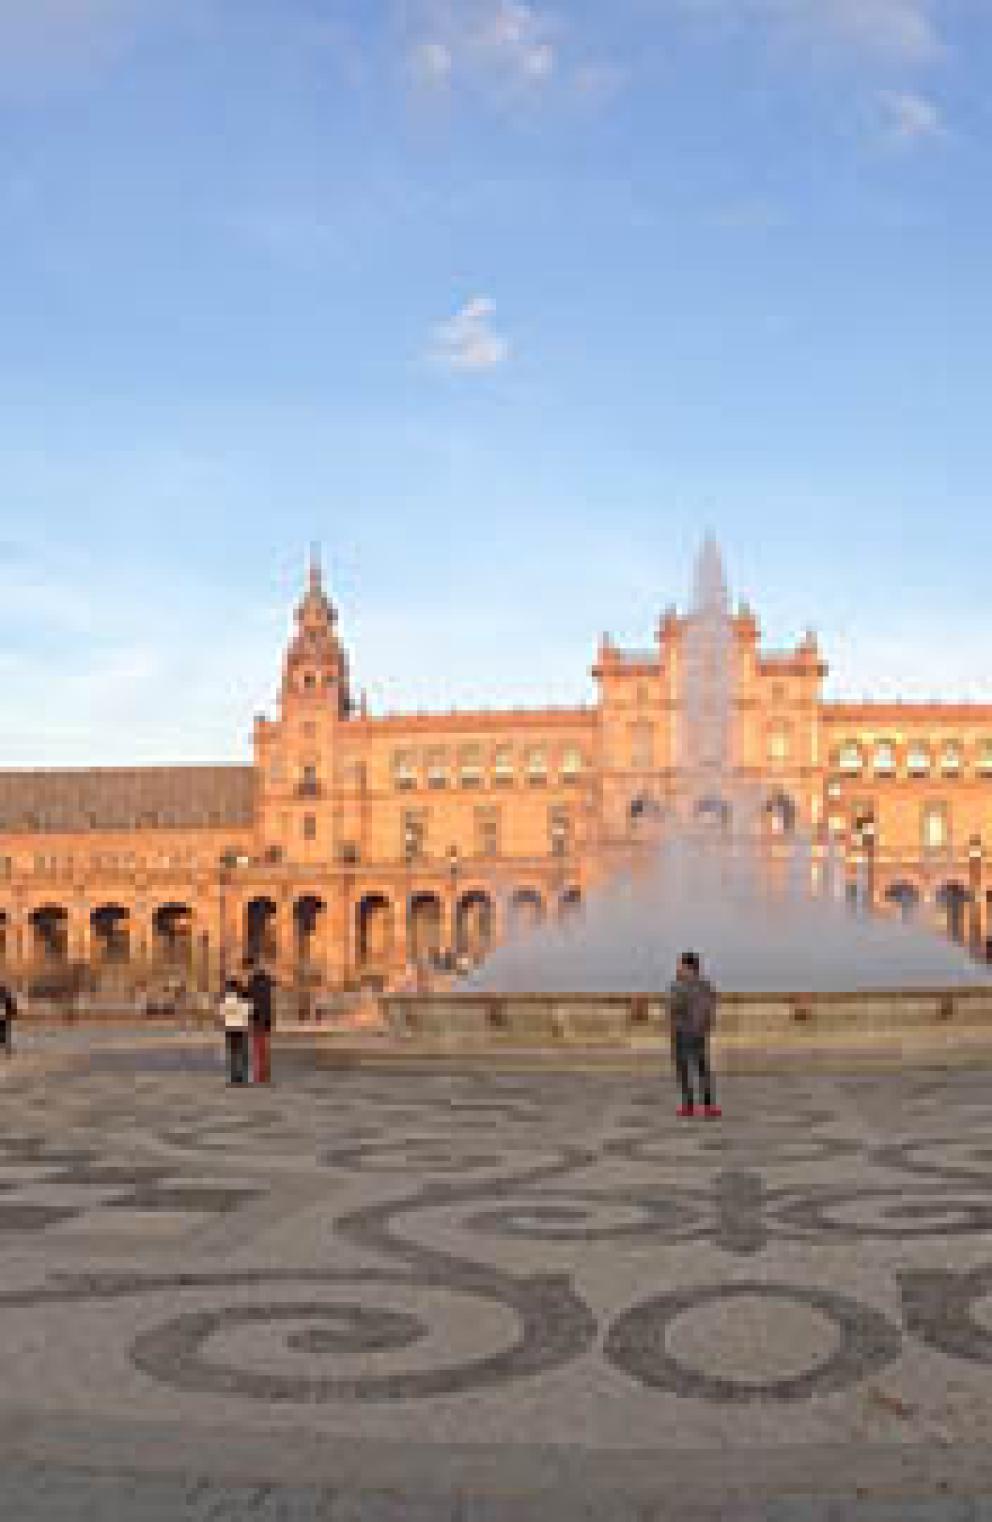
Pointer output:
354, 843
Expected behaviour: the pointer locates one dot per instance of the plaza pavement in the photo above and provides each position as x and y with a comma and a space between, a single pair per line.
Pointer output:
421, 1294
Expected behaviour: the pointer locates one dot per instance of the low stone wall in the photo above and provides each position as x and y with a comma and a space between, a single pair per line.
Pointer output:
802, 1027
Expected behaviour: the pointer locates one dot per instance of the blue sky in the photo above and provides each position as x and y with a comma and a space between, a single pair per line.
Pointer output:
504, 304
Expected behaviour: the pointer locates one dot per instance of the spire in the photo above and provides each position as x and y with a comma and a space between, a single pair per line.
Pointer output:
315, 575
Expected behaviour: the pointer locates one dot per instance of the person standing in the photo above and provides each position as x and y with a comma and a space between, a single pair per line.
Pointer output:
236, 1012
259, 989
8, 1009
692, 1009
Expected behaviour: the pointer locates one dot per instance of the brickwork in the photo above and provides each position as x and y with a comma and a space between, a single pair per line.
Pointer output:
355, 843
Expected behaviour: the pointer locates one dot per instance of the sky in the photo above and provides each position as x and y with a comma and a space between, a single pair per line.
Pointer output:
505, 305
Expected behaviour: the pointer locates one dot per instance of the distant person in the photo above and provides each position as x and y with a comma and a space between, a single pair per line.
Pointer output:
692, 1009
236, 1013
259, 987
8, 1009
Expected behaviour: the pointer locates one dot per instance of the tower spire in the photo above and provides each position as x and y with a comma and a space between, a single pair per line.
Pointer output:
315, 574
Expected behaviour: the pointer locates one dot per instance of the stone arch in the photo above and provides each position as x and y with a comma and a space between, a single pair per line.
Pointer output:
903, 896
172, 936
525, 910
781, 813
375, 930
953, 899
569, 902
425, 926
474, 924
643, 807
49, 933
308, 910
110, 929
712, 811
259, 931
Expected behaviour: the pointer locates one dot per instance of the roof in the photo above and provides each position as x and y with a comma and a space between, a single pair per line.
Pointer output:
124, 798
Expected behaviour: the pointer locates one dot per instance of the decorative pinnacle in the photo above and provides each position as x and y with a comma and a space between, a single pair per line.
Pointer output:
315, 576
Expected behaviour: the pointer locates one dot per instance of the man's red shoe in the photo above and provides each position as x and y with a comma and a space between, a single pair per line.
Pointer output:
713, 1112
685, 1112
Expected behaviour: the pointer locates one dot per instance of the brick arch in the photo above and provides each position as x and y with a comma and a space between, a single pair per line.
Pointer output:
172, 935
526, 908
49, 926
110, 932
374, 930
904, 896
425, 925
474, 924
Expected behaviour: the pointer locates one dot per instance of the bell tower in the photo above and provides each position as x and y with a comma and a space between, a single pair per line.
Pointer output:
315, 670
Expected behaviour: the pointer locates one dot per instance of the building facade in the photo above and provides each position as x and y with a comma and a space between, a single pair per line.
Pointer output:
355, 844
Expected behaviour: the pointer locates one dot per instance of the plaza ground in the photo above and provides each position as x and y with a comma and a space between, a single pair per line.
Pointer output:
368, 1294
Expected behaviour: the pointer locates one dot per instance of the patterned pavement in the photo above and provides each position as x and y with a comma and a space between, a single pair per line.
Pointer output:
428, 1292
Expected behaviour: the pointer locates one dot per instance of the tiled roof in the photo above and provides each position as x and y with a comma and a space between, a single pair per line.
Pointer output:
124, 798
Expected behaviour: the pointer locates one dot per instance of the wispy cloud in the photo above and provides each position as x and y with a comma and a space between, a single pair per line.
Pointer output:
467, 341
909, 118
493, 43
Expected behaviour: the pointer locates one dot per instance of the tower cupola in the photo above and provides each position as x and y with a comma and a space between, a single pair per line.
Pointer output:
316, 666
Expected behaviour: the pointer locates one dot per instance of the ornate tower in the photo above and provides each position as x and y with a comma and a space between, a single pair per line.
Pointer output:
316, 666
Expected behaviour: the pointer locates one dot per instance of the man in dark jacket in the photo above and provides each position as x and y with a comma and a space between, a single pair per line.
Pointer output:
692, 1009
8, 1009
259, 988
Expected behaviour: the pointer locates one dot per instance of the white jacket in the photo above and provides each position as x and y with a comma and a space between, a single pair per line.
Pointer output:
236, 1012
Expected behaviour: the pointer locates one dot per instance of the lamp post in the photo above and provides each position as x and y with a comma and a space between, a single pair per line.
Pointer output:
865, 835
975, 884
453, 875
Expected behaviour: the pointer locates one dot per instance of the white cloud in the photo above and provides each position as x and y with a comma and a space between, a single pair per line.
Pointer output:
501, 43
468, 341
910, 118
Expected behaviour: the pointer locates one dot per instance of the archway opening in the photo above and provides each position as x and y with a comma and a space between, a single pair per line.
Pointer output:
904, 898
526, 910
426, 932
570, 903
953, 898
260, 939
49, 935
474, 925
375, 932
172, 937
308, 912
110, 926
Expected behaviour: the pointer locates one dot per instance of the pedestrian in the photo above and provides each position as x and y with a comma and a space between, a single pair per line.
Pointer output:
236, 1012
259, 988
8, 1009
692, 1009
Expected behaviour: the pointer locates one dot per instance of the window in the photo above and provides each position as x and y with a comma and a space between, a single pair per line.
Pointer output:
935, 827
503, 766
487, 832
559, 831
404, 770
414, 835
571, 764
470, 766
884, 759
984, 762
918, 760
309, 827
642, 747
437, 768
778, 745
849, 758
309, 784
309, 681
950, 758
537, 765
833, 788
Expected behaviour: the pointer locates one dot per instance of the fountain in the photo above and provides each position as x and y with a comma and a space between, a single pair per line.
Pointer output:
768, 912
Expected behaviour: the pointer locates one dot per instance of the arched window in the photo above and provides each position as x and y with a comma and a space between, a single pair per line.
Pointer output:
779, 744
950, 758
571, 764
918, 759
849, 759
984, 759
935, 827
884, 759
